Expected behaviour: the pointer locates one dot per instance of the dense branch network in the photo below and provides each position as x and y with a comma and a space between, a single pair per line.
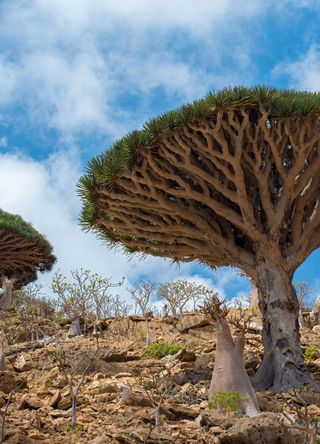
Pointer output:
223, 190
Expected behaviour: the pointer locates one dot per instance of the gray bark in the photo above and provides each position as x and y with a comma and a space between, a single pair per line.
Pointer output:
157, 415
254, 299
283, 366
7, 290
148, 336
229, 373
74, 329
3, 364
74, 411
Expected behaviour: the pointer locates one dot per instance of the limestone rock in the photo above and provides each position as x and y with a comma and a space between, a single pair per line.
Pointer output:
65, 402
55, 399
99, 386
59, 414
190, 321
135, 399
31, 402
217, 430
184, 355
314, 410
123, 375
99, 376
100, 440
22, 364
255, 326
114, 356
10, 381
21, 439
264, 428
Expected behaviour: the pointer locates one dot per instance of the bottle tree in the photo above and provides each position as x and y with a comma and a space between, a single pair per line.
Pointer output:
232, 179
23, 252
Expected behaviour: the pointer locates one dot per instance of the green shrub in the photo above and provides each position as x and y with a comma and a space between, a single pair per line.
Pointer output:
158, 351
311, 352
142, 333
78, 427
227, 401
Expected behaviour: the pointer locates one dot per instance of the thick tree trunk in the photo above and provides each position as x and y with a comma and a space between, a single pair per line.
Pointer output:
254, 299
283, 366
229, 374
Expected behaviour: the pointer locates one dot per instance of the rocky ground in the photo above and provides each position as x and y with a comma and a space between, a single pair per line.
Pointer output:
115, 400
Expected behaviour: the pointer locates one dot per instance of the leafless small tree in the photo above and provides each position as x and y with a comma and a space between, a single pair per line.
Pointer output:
299, 417
74, 372
241, 319
102, 300
156, 389
73, 299
142, 296
4, 411
120, 308
181, 292
303, 291
88, 296
30, 303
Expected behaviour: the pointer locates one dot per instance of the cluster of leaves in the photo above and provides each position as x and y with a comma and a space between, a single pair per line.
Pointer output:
23, 274
15, 223
160, 350
227, 401
311, 352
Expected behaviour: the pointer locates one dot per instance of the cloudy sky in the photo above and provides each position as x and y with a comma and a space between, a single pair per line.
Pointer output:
76, 75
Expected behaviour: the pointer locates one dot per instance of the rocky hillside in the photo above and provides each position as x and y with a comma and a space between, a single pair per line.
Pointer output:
116, 400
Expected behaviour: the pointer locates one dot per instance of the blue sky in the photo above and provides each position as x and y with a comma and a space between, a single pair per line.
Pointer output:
77, 75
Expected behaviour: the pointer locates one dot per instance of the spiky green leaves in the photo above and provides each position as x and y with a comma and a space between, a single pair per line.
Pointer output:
15, 223
106, 168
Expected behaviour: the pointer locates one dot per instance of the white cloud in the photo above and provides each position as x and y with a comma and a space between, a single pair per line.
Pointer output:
71, 62
304, 73
8, 81
73, 66
45, 195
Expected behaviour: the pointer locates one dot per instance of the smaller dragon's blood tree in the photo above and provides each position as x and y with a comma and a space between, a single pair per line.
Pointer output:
229, 373
23, 252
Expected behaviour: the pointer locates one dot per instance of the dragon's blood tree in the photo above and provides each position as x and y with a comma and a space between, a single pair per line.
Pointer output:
23, 252
232, 179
